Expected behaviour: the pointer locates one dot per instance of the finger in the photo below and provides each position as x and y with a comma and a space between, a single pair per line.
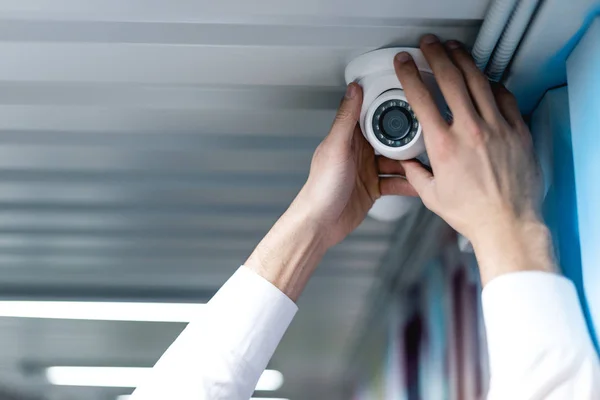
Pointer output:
396, 186
508, 106
421, 100
477, 83
388, 166
347, 115
419, 178
449, 78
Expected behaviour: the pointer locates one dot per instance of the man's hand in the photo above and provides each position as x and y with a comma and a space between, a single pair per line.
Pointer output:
342, 185
344, 177
486, 182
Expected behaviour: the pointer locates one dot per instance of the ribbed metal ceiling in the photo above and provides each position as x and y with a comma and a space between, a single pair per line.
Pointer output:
147, 146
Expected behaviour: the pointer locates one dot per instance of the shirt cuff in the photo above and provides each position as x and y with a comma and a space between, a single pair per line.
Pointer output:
530, 310
258, 315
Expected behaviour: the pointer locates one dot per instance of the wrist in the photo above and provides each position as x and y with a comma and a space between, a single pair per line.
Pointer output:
290, 252
513, 245
306, 210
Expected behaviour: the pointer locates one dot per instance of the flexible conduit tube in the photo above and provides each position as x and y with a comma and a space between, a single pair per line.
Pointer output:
510, 39
494, 23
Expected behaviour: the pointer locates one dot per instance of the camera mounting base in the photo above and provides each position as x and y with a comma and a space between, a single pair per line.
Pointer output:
375, 73
381, 61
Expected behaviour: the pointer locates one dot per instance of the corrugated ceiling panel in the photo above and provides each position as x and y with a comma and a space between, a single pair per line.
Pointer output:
147, 145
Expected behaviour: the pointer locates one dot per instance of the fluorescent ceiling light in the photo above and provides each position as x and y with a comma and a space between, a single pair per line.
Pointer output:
127, 377
103, 311
128, 396
267, 398
96, 376
270, 380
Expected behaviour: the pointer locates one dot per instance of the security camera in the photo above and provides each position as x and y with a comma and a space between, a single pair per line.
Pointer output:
386, 119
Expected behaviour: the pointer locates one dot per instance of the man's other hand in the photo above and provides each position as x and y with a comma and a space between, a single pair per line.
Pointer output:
486, 182
344, 177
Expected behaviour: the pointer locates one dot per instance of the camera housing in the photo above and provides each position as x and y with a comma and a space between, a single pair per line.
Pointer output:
386, 118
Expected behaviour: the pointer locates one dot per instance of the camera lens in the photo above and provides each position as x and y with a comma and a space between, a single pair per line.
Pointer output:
394, 123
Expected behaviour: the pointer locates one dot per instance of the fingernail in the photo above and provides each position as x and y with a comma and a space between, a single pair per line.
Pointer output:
452, 44
351, 91
429, 39
403, 57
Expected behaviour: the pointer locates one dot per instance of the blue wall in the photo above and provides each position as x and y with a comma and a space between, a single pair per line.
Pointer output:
551, 129
583, 78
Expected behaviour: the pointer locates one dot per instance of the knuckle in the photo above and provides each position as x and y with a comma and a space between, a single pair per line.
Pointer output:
466, 64
318, 151
526, 138
421, 96
427, 200
501, 88
444, 147
469, 70
522, 128
508, 97
464, 55
445, 141
452, 75
476, 132
464, 59
427, 196
481, 81
503, 94
343, 114
320, 156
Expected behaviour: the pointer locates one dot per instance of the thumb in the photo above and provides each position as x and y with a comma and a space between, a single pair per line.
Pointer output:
347, 115
419, 178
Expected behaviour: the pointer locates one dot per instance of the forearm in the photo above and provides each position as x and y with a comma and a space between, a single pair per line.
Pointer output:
222, 352
290, 252
538, 343
513, 246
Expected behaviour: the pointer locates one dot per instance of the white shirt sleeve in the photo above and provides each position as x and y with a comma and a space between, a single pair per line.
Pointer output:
538, 342
223, 353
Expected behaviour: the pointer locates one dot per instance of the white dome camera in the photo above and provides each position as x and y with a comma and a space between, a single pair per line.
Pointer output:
386, 118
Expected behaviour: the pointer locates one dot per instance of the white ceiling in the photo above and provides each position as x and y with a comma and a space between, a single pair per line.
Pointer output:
147, 145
